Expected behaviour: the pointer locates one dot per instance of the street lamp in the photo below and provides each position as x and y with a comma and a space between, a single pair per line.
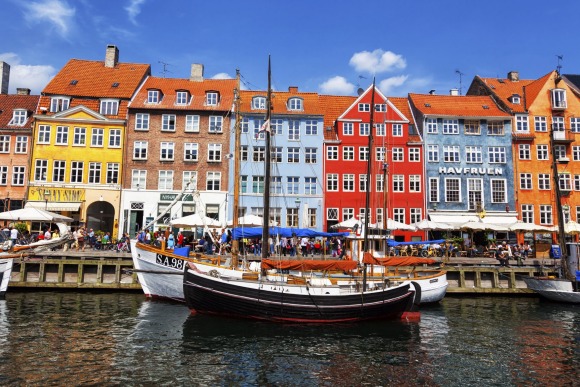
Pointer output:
46, 197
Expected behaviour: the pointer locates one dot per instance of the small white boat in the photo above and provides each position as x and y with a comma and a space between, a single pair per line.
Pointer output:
555, 289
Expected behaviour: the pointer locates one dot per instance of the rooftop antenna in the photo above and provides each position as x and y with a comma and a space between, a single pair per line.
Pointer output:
165, 71
559, 66
460, 81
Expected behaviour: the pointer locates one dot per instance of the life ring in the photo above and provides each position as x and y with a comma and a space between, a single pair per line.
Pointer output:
214, 273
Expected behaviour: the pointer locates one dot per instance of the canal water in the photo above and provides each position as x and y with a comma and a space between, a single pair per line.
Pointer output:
121, 339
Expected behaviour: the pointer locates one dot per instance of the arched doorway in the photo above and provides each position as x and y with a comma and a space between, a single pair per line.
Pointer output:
101, 216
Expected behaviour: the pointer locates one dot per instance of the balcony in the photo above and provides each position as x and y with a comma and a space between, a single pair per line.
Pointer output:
563, 136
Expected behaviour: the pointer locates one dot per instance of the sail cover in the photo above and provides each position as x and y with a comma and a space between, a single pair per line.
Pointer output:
309, 264
396, 261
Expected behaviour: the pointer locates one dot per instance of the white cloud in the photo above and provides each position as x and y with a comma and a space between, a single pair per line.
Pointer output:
378, 61
56, 12
222, 76
134, 9
33, 77
386, 86
337, 86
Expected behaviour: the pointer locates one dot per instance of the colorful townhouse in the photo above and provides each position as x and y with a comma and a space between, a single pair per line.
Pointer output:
296, 127
16, 120
468, 158
546, 134
78, 140
396, 186
178, 132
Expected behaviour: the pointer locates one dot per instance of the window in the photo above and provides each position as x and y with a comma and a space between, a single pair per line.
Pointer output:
153, 96
398, 183
295, 104
546, 214
142, 121
522, 123
414, 183
472, 127
76, 171
380, 183
58, 104
398, 154
259, 153
474, 194
191, 178
244, 153
348, 153
332, 182
451, 153
433, 189
544, 181
293, 130
276, 126
244, 125
310, 155
496, 154
43, 134
364, 129
138, 179
190, 151
560, 151
258, 132
3, 175
565, 181
397, 130
168, 122
414, 155
19, 117
498, 191
380, 107
348, 182
258, 103
244, 184
140, 150
542, 152
291, 217
276, 185
559, 98
310, 184
431, 124
181, 98
192, 123
113, 173
540, 124
452, 190
213, 181
433, 153
4, 144
527, 213
558, 124
450, 126
215, 124
293, 186
332, 152
473, 154
109, 107
167, 151
62, 135
165, 181
275, 215
21, 144
348, 128
347, 213
18, 174
575, 124
399, 215
40, 169
211, 98
362, 183
115, 138
311, 128
416, 215
293, 155
524, 152
58, 171
576, 182
94, 173
495, 128
276, 154
525, 181
364, 107
97, 137
332, 213
576, 153
363, 153
381, 130
311, 218
214, 152
380, 153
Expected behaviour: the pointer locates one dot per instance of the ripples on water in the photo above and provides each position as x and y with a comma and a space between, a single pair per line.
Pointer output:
122, 339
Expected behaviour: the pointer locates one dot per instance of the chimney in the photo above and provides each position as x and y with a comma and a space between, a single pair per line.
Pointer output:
514, 76
112, 56
432, 91
22, 91
4, 77
196, 72
293, 89
454, 92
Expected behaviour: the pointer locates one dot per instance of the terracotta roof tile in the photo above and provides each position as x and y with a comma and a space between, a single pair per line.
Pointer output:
9, 102
311, 105
402, 104
504, 88
456, 106
333, 106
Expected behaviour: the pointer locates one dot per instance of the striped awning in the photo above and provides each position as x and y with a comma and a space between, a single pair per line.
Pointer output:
55, 206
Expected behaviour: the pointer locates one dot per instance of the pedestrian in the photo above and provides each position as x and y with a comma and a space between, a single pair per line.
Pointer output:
13, 235
180, 239
170, 241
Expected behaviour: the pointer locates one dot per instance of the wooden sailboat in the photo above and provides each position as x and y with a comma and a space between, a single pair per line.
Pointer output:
279, 297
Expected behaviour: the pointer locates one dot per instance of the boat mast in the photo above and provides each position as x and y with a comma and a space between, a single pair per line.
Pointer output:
266, 218
237, 161
368, 186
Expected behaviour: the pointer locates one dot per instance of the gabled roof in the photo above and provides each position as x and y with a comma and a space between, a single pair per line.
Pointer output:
333, 106
311, 105
504, 88
573, 81
93, 79
402, 105
9, 102
365, 96
456, 106
196, 89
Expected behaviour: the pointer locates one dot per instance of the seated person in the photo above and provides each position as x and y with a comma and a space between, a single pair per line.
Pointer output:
502, 256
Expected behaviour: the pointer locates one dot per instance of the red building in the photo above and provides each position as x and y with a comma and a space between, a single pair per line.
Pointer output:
396, 157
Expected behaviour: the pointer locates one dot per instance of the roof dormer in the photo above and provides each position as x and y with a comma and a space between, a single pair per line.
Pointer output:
154, 96
19, 117
516, 99
212, 98
182, 97
258, 102
295, 103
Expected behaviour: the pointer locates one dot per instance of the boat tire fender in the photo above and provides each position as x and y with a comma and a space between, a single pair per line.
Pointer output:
417, 300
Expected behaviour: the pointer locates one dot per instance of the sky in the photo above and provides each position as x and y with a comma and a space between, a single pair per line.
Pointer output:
329, 47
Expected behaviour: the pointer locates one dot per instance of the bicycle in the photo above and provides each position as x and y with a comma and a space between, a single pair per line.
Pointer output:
431, 252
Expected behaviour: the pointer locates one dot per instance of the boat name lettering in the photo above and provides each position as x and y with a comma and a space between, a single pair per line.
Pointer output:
432, 281
471, 171
172, 262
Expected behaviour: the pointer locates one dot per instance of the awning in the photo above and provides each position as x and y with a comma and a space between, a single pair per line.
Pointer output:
460, 218
55, 206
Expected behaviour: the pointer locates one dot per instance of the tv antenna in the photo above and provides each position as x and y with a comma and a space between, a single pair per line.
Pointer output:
165, 65
559, 66
460, 81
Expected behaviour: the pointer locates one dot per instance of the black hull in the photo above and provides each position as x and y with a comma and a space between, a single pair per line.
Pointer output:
209, 295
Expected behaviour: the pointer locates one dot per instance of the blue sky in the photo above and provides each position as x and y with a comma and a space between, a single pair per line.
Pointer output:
330, 47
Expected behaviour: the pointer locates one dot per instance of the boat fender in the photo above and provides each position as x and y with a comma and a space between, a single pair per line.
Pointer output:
214, 273
417, 300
